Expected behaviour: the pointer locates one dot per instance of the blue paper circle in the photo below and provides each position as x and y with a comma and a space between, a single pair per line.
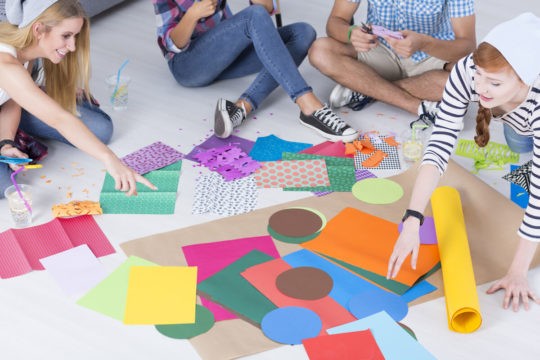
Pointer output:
290, 325
373, 301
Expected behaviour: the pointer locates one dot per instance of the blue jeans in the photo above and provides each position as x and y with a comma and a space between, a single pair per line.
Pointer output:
92, 116
245, 44
517, 143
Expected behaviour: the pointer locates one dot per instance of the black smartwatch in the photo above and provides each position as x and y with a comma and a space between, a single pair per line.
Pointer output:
7, 142
413, 213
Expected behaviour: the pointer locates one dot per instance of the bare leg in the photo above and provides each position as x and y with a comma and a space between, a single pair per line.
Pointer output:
339, 62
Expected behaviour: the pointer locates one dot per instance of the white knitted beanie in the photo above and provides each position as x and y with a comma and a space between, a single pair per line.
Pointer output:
23, 12
518, 40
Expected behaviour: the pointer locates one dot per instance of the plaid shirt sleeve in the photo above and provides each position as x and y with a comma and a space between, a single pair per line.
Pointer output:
460, 8
168, 15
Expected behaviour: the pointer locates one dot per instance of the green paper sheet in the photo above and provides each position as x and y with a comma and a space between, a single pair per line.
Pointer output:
341, 172
109, 296
228, 288
161, 201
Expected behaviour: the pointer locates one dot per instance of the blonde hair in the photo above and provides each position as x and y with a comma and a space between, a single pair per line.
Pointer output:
62, 80
490, 59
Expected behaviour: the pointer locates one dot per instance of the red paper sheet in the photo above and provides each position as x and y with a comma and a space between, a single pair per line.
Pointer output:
21, 249
357, 345
263, 277
328, 148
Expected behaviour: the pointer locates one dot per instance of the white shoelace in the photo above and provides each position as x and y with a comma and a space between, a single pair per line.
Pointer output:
238, 116
329, 118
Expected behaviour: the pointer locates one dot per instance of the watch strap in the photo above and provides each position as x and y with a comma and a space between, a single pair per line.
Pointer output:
7, 142
413, 213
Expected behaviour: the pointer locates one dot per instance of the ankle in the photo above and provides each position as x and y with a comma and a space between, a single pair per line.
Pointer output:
246, 106
309, 103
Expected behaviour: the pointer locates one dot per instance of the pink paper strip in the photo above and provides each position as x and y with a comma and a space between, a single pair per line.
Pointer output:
21, 249
328, 148
215, 256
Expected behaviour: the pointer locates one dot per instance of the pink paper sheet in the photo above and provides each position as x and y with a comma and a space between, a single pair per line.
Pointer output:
215, 256
327, 148
21, 249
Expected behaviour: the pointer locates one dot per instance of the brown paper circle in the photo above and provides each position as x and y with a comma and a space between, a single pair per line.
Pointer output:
305, 282
295, 222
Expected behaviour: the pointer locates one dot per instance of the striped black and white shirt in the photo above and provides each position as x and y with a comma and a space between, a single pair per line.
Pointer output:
525, 120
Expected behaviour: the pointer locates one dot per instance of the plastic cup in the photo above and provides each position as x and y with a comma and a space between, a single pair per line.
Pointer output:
19, 212
118, 93
413, 144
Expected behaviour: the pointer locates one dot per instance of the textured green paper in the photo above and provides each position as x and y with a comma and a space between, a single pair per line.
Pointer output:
341, 172
229, 288
148, 201
109, 296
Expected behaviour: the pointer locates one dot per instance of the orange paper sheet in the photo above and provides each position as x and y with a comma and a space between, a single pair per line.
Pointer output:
367, 241
263, 277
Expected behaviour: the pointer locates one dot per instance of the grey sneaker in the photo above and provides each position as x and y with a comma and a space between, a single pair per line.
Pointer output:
342, 96
426, 115
227, 117
329, 125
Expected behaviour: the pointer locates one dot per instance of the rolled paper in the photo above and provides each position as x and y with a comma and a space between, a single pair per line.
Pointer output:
462, 307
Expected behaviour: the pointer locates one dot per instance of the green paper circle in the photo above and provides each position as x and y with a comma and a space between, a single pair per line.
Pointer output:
377, 191
204, 320
291, 240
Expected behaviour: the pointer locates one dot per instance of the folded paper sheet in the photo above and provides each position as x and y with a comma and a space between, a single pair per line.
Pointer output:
462, 307
21, 249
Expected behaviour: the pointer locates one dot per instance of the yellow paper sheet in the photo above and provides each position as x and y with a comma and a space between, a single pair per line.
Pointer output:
159, 295
462, 307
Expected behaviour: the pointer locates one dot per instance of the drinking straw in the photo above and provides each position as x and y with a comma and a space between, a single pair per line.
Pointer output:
19, 189
118, 79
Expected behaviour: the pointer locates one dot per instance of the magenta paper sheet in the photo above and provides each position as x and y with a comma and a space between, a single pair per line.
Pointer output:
21, 249
152, 157
215, 256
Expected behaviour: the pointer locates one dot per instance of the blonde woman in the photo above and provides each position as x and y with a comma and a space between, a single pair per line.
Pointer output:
57, 33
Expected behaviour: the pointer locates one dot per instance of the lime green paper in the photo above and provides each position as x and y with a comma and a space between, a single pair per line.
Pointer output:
161, 201
109, 296
228, 288
204, 320
160, 295
377, 191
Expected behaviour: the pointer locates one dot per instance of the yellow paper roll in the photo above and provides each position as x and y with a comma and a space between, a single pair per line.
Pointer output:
462, 307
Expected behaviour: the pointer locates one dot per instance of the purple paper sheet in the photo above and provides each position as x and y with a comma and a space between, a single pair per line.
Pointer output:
152, 157
229, 161
428, 236
214, 141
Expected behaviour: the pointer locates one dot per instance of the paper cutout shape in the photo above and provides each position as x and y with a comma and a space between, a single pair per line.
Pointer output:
159, 295
270, 148
372, 302
214, 142
263, 277
492, 156
427, 232
361, 251
290, 325
462, 306
152, 157
211, 258
520, 176
377, 191
109, 296
390, 162
21, 249
204, 320
359, 345
228, 288
305, 283
374, 159
394, 342
76, 270
147, 201
296, 222
229, 161
292, 173
215, 195
77, 208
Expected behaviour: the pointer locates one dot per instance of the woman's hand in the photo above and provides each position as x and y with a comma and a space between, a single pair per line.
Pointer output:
203, 8
408, 241
517, 291
11, 151
362, 41
125, 179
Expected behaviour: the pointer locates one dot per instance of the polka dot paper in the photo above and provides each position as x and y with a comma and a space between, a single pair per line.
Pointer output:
292, 173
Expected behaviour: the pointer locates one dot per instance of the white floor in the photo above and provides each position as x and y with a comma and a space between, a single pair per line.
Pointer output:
37, 320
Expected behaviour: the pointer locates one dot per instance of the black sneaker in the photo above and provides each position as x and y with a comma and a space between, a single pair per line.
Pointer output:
329, 125
342, 96
227, 117
428, 114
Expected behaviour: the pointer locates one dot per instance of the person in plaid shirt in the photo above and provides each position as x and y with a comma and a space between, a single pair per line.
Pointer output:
406, 67
203, 42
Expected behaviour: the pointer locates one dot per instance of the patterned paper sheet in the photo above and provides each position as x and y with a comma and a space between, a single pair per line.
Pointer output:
270, 148
229, 161
214, 194
214, 142
391, 162
293, 173
152, 157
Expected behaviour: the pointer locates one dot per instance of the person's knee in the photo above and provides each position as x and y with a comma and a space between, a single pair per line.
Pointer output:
258, 11
306, 32
102, 127
319, 52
